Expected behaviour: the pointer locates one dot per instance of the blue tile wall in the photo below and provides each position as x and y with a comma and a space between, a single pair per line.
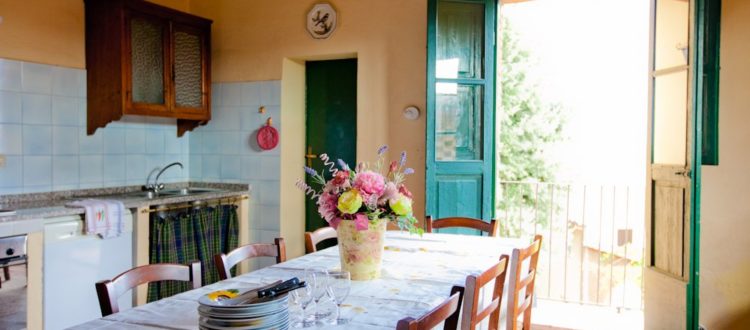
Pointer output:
43, 136
225, 149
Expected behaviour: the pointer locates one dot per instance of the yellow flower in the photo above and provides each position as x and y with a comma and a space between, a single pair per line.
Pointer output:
350, 202
401, 205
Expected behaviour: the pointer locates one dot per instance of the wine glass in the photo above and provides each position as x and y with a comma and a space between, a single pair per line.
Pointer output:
339, 285
319, 289
304, 296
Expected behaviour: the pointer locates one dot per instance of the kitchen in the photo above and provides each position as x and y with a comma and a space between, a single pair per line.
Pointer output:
49, 158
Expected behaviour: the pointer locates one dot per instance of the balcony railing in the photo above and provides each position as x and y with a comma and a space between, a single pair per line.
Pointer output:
593, 239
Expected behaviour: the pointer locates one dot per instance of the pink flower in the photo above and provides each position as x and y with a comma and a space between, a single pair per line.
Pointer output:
402, 189
340, 182
341, 179
389, 193
327, 206
369, 183
393, 167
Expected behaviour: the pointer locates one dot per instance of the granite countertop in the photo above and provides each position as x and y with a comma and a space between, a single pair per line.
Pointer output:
53, 204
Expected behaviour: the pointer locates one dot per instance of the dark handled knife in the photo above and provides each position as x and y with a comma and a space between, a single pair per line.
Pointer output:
251, 294
290, 285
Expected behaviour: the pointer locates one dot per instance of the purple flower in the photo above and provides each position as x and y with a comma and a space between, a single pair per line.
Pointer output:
403, 158
382, 150
343, 164
409, 171
310, 171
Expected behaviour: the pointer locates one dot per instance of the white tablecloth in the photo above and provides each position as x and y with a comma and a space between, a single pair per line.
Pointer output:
418, 274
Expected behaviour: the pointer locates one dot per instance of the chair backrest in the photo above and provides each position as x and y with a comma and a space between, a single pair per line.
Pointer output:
109, 290
519, 282
491, 228
313, 238
474, 283
225, 262
447, 309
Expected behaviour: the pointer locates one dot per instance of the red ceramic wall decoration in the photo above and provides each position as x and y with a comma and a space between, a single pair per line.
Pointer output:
268, 136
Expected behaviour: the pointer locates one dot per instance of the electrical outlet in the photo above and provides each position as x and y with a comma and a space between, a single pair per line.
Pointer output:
2, 161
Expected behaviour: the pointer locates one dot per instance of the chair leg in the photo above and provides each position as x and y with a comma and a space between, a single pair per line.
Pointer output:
6, 272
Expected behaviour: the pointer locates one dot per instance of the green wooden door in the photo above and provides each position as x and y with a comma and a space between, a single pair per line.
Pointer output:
460, 108
331, 101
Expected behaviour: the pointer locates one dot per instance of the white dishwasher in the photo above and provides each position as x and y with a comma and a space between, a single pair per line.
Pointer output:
74, 262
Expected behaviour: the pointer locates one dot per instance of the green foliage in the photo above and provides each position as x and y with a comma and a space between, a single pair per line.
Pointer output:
526, 126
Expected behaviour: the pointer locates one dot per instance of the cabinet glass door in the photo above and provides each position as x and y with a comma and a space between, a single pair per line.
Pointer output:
147, 60
188, 68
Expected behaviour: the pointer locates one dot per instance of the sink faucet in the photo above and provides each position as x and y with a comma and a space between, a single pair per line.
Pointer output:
156, 186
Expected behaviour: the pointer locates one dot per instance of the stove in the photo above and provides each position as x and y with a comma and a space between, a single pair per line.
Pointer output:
12, 249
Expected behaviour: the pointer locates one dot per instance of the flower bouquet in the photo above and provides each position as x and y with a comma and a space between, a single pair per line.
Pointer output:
358, 204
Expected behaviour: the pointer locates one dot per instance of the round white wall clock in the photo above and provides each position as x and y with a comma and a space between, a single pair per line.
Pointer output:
321, 21
411, 113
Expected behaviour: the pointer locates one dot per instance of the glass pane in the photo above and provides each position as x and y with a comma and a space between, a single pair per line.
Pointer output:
672, 33
147, 61
460, 39
458, 122
187, 70
670, 118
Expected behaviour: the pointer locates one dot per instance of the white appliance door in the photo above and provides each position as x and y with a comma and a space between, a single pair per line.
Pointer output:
73, 263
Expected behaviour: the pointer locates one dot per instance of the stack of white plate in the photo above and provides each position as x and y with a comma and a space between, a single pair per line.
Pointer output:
268, 313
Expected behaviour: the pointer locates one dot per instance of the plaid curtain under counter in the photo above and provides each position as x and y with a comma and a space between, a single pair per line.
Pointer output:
186, 236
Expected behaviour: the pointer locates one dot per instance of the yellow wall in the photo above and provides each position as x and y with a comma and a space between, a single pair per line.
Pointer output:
43, 31
49, 31
252, 40
725, 214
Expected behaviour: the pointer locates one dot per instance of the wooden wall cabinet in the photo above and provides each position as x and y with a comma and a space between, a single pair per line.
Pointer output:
149, 60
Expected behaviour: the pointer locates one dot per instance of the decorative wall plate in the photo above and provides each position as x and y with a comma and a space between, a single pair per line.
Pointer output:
321, 21
268, 136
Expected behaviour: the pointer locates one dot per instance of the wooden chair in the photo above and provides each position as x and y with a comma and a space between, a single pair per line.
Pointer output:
313, 238
472, 316
448, 309
518, 283
109, 290
491, 228
225, 262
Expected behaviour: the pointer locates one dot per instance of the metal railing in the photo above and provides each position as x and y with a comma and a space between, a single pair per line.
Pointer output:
593, 248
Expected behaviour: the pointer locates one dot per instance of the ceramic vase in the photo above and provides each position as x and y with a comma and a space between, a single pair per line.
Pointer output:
362, 251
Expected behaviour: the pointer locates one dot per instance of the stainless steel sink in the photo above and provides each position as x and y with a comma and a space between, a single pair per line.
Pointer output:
170, 193
186, 191
142, 194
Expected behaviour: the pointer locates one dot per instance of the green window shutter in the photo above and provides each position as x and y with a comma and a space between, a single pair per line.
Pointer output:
710, 115
460, 108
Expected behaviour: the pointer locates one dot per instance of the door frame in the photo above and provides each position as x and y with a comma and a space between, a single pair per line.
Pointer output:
697, 98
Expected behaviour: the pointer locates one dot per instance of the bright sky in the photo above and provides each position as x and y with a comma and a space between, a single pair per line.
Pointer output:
592, 57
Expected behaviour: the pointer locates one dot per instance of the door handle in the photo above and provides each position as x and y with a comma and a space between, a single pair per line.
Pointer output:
310, 156
685, 173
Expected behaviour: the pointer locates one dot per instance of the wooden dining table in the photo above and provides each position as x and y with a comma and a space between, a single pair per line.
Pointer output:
418, 273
